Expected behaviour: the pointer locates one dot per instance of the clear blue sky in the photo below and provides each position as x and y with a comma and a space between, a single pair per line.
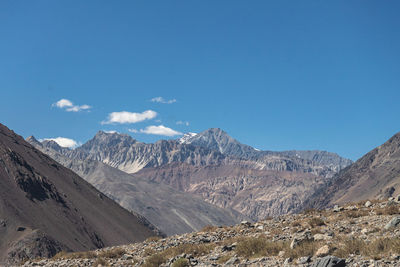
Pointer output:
276, 75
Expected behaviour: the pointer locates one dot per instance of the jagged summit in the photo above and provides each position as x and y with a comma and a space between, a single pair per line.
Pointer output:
104, 139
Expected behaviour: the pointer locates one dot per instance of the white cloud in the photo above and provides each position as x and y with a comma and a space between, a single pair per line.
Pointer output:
182, 123
63, 142
129, 117
160, 130
160, 99
110, 132
69, 106
63, 103
133, 130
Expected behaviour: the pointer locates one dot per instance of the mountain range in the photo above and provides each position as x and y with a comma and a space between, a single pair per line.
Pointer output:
212, 165
171, 210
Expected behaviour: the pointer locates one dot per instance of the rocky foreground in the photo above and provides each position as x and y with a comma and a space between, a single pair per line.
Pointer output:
362, 234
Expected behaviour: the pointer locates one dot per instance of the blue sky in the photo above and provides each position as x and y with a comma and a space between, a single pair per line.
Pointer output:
276, 75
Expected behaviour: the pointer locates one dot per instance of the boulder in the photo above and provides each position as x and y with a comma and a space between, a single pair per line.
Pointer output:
329, 261
322, 251
368, 204
393, 223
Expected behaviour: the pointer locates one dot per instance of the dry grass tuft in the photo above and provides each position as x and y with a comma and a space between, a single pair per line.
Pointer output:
100, 262
75, 255
153, 239
258, 247
388, 210
316, 221
356, 213
112, 253
307, 248
209, 228
180, 263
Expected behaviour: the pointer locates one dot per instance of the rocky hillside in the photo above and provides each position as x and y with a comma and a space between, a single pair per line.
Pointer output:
255, 193
375, 175
362, 234
46, 208
170, 210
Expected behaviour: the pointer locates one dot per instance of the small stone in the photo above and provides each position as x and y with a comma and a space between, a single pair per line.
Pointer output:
304, 260
322, 251
393, 223
319, 237
232, 261
337, 208
281, 253
368, 204
364, 231
287, 261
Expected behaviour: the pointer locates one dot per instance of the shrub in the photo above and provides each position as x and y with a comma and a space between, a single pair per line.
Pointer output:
258, 247
388, 210
101, 262
181, 262
306, 248
208, 228
112, 253
314, 222
154, 260
153, 238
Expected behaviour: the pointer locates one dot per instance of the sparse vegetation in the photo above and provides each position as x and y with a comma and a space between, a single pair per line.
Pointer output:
306, 248
181, 262
100, 262
75, 255
209, 228
153, 239
388, 210
258, 247
112, 253
154, 260
316, 221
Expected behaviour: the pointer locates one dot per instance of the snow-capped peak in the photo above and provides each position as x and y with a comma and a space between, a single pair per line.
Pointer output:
186, 137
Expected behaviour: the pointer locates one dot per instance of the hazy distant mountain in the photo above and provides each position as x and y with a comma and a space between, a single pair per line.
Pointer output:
172, 211
375, 175
45, 207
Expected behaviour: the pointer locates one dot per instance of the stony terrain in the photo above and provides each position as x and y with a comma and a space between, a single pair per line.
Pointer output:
363, 234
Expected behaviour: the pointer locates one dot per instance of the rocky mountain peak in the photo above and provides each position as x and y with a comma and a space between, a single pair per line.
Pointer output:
108, 139
32, 140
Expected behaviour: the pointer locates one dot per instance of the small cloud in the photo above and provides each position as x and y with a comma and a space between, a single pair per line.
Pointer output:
62, 141
160, 130
160, 99
133, 130
111, 132
129, 117
69, 106
182, 123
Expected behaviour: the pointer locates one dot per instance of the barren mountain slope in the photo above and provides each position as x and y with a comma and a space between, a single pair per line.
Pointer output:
375, 175
255, 193
45, 207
